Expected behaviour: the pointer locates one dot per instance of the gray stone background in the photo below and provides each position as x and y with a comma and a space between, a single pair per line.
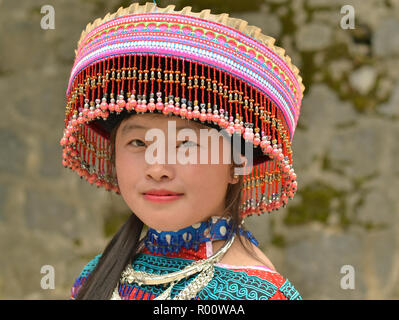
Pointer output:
346, 150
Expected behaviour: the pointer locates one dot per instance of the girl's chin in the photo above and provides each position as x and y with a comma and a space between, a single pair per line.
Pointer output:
170, 221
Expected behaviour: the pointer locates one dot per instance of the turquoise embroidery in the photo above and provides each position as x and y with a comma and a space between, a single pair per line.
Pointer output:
289, 291
90, 266
226, 284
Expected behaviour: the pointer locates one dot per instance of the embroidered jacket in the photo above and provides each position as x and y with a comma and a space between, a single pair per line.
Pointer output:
229, 282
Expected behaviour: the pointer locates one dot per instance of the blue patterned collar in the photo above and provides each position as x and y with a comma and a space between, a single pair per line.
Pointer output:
216, 228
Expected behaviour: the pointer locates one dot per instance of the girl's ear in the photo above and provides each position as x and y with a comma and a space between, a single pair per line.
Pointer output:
237, 170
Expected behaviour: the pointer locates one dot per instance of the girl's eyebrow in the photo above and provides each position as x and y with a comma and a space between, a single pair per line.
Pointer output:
131, 126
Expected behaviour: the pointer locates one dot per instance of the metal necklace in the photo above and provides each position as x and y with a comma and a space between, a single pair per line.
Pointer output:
205, 267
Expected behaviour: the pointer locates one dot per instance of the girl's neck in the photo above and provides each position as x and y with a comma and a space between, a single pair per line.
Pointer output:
191, 237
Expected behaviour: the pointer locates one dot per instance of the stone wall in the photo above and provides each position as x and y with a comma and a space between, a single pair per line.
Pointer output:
345, 149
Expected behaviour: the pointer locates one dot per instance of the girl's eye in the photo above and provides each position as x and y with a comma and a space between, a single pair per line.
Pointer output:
188, 142
140, 143
134, 143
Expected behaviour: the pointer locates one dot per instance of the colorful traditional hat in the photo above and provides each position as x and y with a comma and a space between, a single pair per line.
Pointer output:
209, 68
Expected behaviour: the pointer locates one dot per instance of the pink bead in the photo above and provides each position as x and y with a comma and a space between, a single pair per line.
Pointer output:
129, 106
189, 115
91, 115
280, 156
99, 183
247, 135
269, 149
165, 111
85, 111
256, 141
264, 144
121, 103
183, 112
176, 111
111, 106
92, 178
209, 116
286, 168
159, 106
275, 152
203, 117
74, 122
64, 141
81, 120
215, 118
196, 114
104, 106
72, 139
133, 103
293, 176
118, 108
151, 106
98, 112
105, 115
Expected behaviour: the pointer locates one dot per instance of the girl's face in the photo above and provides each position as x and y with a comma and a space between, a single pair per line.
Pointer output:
202, 185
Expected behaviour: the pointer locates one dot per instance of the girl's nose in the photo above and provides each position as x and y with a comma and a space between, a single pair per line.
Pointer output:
159, 172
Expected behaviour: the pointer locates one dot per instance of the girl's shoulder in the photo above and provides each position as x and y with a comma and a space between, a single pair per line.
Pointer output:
254, 272
87, 269
255, 282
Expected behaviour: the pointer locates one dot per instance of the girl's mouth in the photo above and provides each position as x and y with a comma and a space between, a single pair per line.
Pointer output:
162, 198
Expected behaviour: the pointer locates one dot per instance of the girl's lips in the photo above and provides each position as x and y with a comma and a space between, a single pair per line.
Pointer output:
162, 198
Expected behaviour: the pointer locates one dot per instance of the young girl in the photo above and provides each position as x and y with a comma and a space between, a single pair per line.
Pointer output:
146, 85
